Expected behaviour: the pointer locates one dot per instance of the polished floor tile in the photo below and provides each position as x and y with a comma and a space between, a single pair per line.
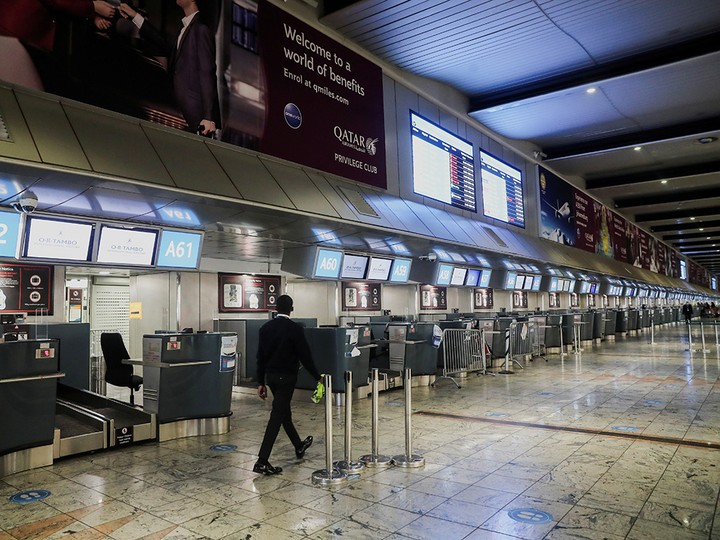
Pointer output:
620, 442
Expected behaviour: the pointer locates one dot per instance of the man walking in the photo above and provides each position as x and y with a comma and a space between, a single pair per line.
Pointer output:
282, 348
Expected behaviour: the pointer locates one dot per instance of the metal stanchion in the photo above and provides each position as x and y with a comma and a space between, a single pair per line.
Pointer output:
375, 459
652, 328
702, 334
562, 345
348, 465
689, 337
715, 324
508, 352
328, 476
409, 459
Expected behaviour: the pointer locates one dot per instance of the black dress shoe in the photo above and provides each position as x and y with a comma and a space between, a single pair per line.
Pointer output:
266, 468
300, 450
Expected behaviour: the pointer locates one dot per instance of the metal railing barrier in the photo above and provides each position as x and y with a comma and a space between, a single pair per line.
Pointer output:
464, 351
329, 476
375, 459
348, 465
408, 459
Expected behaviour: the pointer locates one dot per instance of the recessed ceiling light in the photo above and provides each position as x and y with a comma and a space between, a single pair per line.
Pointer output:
104, 273
637, 148
707, 140
692, 219
663, 181
708, 238
701, 229
591, 90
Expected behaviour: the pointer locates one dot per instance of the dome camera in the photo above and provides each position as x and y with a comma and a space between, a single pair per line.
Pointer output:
26, 203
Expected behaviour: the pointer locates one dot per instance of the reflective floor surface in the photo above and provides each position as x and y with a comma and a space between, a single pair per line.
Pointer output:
620, 441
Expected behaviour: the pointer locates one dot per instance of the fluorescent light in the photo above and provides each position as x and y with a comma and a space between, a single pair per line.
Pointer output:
591, 90
637, 148
663, 181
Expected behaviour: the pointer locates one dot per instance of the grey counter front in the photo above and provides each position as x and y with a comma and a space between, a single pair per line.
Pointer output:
188, 376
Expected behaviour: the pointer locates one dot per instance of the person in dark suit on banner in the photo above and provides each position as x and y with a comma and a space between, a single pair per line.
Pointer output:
191, 66
282, 347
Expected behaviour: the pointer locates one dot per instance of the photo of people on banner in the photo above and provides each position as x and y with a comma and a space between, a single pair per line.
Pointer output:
247, 73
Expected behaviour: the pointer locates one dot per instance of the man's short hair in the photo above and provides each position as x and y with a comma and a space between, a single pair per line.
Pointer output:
284, 304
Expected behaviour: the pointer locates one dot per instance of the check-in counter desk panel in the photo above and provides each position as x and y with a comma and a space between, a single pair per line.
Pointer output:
28, 386
610, 320
644, 318
598, 326
621, 321
188, 376
633, 320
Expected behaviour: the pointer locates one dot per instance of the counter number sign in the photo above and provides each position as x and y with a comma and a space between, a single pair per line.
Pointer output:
179, 249
9, 227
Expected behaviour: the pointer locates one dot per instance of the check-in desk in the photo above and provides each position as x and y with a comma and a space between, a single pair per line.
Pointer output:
28, 387
610, 320
598, 326
336, 350
621, 321
188, 380
633, 321
644, 318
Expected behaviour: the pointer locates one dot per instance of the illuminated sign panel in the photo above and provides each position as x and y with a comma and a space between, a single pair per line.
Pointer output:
179, 249
58, 239
400, 270
327, 264
9, 234
132, 247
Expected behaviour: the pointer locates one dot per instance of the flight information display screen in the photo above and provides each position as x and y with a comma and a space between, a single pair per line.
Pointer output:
443, 164
502, 190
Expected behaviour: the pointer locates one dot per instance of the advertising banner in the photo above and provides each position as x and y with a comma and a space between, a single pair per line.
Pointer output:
241, 292
433, 297
247, 73
557, 209
482, 298
361, 296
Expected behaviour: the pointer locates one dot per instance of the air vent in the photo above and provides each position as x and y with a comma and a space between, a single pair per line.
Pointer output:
492, 234
359, 202
4, 132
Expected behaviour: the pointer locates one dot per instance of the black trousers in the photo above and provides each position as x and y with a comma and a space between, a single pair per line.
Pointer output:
282, 387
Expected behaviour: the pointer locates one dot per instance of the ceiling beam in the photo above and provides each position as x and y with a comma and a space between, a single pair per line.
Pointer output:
695, 244
636, 138
632, 64
652, 176
677, 214
671, 197
688, 226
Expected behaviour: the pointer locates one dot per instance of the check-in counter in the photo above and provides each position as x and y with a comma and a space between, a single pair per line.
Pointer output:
598, 327
337, 350
610, 322
75, 342
28, 389
633, 321
621, 321
188, 381
586, 326
645, 318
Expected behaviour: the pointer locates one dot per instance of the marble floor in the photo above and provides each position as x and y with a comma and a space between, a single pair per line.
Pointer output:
621, 441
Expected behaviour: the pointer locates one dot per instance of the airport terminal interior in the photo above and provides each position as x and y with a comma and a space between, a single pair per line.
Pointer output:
498, 222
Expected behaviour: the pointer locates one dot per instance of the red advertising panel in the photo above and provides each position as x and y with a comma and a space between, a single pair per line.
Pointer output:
241, 292
620, 242
482, 299
433, 297
361, 296
584, 222
26, 288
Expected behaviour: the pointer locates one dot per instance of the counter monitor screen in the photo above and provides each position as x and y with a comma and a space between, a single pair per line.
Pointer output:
443, 164
379, 269
536, 283
553, 284
133, 247
353, 266
527, 286
458, 276
58, 239
519, 282
400, 270
593, 288
502, 190
584, 287
485, 279
510, 280
444, 274
472, 278
327, 263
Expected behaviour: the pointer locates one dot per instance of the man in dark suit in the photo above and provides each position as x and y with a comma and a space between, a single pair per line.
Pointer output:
282, 348
191, 65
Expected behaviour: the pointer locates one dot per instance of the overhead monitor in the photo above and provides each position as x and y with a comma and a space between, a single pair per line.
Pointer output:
683, 269
510, 280
502, 190
327, 264
571, 285
9, 234
353, 266
400, 271
58, 239
443, 164
458, 276
444, 274
536, 283
584, 287
593, 288
379, 269
472, 278
179, 249
485, 278
128, 247
553, 284
519, 282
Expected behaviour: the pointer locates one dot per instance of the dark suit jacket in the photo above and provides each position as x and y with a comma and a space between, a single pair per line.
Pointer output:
282, 347
192, 69
33, 21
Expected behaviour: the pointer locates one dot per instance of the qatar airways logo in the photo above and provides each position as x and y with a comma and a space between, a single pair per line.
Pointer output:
363, 144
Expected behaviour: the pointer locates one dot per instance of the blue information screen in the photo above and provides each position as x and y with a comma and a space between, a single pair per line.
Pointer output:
400, 270
444, 274
179, 249
485, 278
327, 264
9, 231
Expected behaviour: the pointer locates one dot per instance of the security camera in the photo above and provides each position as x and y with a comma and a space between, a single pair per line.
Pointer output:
431, 256
26, 203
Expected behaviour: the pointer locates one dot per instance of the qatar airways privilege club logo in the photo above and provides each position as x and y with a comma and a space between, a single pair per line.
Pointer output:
366, 145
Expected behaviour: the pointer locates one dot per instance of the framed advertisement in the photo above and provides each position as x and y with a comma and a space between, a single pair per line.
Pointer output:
26, 287
246, 292
433, 297
361, 296
482, 298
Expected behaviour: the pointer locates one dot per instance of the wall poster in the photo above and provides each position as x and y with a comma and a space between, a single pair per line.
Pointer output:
482, 298
25, 287
247, 292
520, 299
553, 300
433, 297
361, 296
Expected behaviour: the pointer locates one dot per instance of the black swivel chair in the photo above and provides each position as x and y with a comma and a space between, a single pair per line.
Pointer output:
117, 373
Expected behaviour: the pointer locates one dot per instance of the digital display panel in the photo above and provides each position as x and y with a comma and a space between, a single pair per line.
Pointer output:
132, 247
502, 190
458, 276
485, 278
400, 271
179, 249
519, 282
353, 266
528, 283
510, 280
593, 288
536, 283
472, 278
553, 284
379, 269
683, 269
327, 264
444, 274
58, 239
443, 164
9, 234
584, 287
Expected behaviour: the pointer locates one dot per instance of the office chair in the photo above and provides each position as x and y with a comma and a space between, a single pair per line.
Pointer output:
117, 373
